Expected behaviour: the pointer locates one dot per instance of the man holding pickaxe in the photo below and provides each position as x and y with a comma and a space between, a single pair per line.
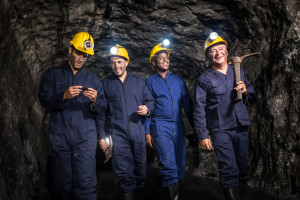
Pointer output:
218, 110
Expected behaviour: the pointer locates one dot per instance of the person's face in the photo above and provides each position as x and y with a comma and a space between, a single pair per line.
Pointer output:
118, 65
161, 62
218, 54
77, 58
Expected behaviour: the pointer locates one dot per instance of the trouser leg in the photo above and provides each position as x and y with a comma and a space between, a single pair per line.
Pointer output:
59, 174
166, 151
227, 166
241, 146
180, 148
84, 173
242, 149
139, 156
123, 164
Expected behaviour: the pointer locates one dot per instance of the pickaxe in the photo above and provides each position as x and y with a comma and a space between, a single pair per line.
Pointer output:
236, 61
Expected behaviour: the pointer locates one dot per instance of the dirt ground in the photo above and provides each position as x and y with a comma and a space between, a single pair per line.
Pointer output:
191, 187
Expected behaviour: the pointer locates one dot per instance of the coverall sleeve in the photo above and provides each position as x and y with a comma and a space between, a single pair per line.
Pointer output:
49, 97
99, 111
199, 111
250, 90
148, 100
148, 119
147, 125
187, 103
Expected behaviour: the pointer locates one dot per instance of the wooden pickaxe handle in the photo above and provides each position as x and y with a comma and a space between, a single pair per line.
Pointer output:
236, 61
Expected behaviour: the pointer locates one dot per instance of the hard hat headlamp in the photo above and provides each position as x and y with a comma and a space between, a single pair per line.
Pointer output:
114, 50
213, 36
165, 43
88, 44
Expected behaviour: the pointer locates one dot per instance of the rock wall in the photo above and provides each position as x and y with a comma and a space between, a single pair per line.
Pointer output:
35, 36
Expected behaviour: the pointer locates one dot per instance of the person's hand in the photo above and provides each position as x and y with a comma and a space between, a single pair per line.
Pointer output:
103, 145
91, 94
72, 92
149, 140
241, 86
142, 110
206, 144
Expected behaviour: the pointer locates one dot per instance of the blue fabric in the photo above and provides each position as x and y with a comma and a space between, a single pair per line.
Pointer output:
231, 147
73, 129
216, 107
166, 125
127, 128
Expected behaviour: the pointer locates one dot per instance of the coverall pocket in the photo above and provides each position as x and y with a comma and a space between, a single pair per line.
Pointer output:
115, 107
58, 141
218, 87
159, 108
61, 88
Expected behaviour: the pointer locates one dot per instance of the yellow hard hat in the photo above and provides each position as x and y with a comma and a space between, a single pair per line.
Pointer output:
213, 38
118, 50
160, 47
84, 42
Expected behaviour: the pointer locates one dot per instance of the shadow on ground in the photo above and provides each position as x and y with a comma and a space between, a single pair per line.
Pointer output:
191, 187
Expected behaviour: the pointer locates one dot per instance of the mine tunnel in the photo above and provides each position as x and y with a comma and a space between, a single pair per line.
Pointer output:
35, 35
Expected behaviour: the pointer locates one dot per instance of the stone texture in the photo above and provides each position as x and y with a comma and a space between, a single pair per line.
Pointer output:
35, 35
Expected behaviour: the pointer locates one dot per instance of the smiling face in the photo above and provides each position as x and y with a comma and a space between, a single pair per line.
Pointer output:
161, 62
76, 59
118, 65
218, 54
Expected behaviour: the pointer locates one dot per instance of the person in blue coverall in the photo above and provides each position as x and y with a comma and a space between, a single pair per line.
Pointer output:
129, 103
217, 110
76, 100
165, 128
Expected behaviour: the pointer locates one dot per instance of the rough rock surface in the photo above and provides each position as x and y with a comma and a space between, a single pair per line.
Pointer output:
35, 36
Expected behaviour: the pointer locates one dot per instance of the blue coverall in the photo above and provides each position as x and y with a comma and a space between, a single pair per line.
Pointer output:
127, 128
216, 108
166, 125
73, 128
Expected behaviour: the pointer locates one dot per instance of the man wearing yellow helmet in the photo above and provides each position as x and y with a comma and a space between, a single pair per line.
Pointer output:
217, 110
129, 102
76, 100
166, 124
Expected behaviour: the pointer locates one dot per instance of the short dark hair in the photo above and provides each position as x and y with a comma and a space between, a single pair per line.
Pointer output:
159, 52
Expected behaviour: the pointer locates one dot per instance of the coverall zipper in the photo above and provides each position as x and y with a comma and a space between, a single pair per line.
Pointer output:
128, 124
171, 99
71, 127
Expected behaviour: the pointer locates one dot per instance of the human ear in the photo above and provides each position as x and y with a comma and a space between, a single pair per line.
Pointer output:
70, 50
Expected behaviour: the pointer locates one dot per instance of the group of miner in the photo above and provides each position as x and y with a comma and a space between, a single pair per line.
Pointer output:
136, 113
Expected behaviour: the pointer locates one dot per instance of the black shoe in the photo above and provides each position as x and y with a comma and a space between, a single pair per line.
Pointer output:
231, 193
242, 189
141, 193
173, 191
129, 195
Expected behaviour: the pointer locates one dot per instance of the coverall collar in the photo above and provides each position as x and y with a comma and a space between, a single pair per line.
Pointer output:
229, 70
69, 69
158, 74
116, 77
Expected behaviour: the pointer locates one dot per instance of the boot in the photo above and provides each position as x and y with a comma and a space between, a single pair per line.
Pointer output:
242, 189
231, 193
129, 195
173, 191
